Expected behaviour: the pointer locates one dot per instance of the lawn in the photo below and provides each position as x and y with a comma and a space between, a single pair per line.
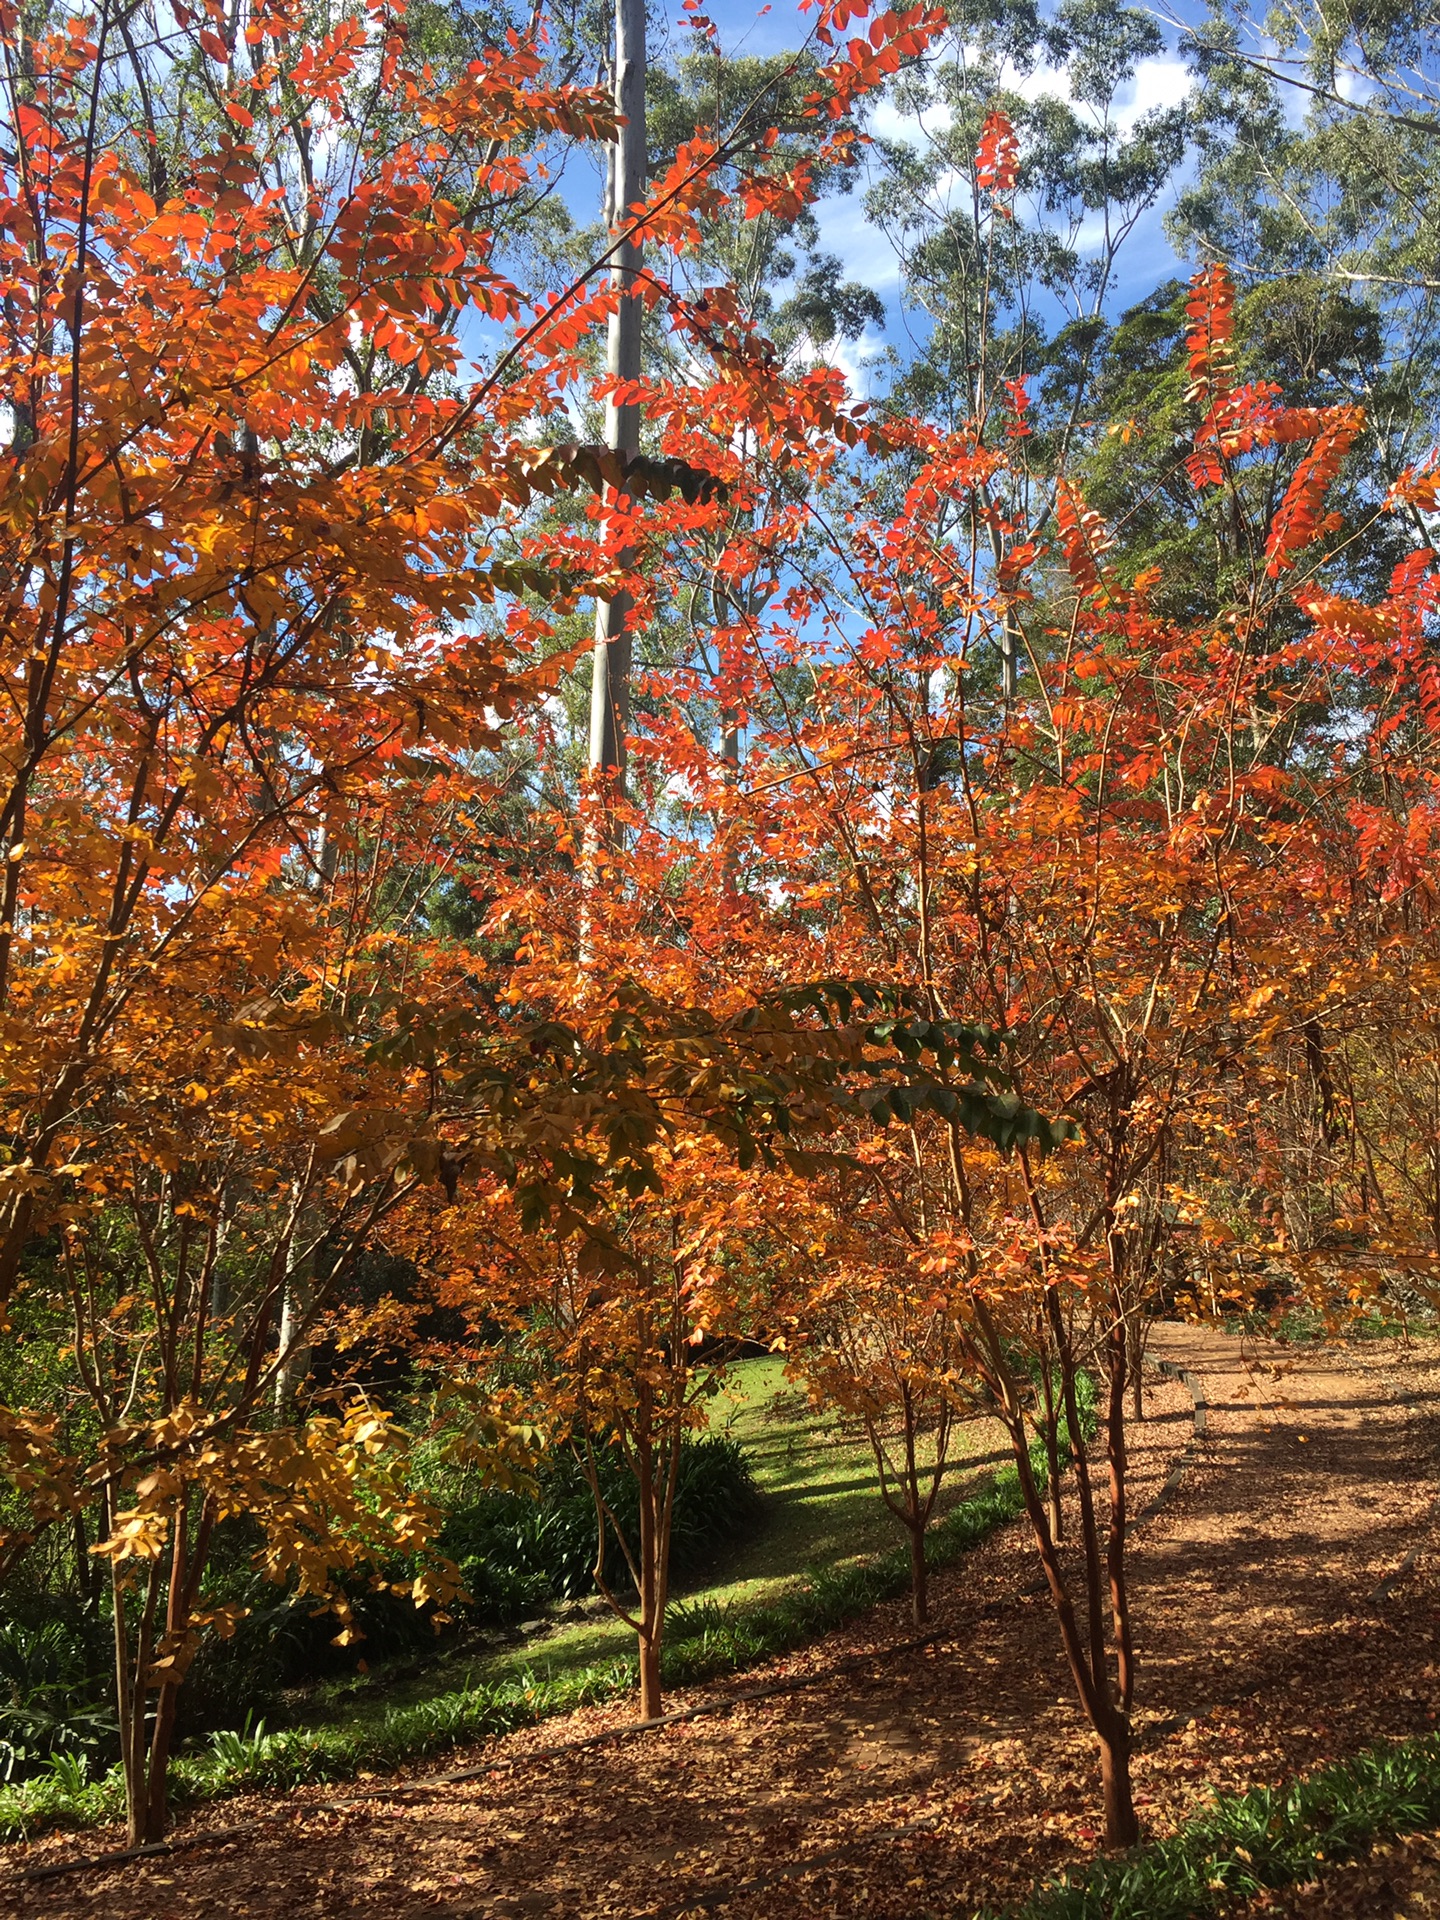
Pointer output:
818, 1476
821, 1508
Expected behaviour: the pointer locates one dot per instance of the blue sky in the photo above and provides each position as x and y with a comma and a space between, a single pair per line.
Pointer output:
1146, 261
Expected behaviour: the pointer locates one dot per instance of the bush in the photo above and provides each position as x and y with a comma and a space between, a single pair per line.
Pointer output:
53, 1696
518, 1553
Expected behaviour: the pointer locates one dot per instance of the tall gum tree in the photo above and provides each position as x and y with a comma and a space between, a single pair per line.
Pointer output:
625, 187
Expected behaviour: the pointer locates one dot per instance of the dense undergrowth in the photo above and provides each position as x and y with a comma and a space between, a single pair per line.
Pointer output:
1249, 1842
703, 1642
517, 1552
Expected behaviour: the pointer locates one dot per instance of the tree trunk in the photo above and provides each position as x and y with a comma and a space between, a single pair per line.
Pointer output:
1090, 1674
1051, 1432
651, 1696
1054, 1504
919, 1576
296, 1305
610, 685
131, 1750
294, 1363
157, 1786
1122, 1829
1117, 1356
652, 1604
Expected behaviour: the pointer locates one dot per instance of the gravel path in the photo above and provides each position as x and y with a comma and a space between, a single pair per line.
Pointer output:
930, 1781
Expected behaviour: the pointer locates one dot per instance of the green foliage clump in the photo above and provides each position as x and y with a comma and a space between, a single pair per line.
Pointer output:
1249, 1842
517, 1553
53, 1695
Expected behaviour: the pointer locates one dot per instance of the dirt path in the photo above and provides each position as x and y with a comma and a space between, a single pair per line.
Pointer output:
948, 1776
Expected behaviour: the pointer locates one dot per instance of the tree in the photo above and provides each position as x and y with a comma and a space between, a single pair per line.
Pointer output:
1315, 188
1015, 302
1112, 875
222, 619
621, 1339
625, 185
253, 512
871, 1336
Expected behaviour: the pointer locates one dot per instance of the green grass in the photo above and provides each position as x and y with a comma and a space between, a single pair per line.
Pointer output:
822, 1515
1268, 1837
823, 1554
822, 1496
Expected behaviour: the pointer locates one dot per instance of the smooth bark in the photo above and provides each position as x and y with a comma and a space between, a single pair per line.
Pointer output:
610, 683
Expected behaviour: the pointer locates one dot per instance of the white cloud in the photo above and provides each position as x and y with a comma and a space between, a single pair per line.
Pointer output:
866, 254
1355, 87
887, 122
1162, 82
850, 357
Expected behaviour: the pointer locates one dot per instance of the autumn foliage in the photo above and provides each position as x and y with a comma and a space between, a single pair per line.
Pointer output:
959, 1024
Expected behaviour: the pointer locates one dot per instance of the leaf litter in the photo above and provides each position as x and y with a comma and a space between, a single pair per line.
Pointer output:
949, 1776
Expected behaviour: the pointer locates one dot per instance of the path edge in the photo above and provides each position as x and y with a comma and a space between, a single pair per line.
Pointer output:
1199, 1431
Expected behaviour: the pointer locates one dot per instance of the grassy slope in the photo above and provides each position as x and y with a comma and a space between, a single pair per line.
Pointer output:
822, 1508
825, 1551
822, 1491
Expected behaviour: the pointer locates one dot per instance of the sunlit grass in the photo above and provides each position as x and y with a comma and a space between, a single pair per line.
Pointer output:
824, 1550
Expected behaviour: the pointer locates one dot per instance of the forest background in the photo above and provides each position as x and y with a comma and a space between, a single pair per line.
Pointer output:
549, 839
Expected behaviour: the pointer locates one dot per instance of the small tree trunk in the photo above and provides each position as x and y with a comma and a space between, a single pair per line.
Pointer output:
137, 1785
1051, 1433
919, 1575
653, 1547
131, 1754
87, 1574
1135, 1340
1087, 1662
294, 1345
650, 1638
916, 1511
1122, 1829
184, 1574
157, 1787
651, 1695
1116, 1357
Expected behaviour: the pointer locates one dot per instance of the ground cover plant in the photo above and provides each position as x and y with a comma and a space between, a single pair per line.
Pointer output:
547, 841
725, 1632
1270, 1837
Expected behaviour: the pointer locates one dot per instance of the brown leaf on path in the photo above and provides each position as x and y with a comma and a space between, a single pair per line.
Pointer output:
960, 1766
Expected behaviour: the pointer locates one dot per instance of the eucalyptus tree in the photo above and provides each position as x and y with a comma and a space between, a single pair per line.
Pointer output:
1010, 305
1317, 136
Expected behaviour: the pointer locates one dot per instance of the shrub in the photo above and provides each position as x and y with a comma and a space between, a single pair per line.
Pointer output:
517, 1553
53, 1696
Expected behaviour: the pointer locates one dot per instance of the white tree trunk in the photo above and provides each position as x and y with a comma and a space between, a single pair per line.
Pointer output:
610, 688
